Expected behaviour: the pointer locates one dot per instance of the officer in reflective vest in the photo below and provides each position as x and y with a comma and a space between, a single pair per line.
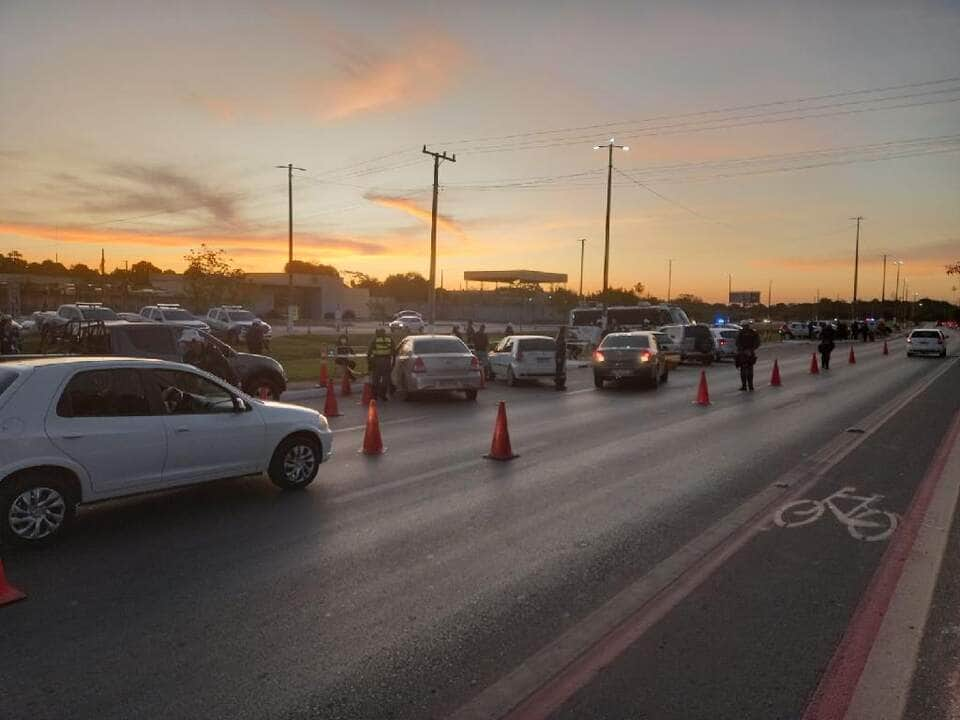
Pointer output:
380, 359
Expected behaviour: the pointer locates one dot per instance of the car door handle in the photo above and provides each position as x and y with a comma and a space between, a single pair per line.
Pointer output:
182, 428
72, 436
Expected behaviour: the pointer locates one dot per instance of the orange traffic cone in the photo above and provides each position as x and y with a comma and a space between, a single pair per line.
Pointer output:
330, 408
324, 376
703, 394
814, 368
345, 384
367, 394
372, 442
885, 350
500, 447
8, 593
775, 375
852, 360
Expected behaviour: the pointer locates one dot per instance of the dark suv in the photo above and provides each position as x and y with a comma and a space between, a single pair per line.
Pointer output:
257, 373
695, 342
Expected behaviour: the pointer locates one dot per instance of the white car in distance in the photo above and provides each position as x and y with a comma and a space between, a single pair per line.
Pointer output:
408, 320
80, 430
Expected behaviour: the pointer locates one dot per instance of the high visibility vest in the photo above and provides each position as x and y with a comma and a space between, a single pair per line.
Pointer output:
382, 346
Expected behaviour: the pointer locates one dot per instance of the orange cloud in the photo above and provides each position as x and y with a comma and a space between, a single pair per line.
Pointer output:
411, 208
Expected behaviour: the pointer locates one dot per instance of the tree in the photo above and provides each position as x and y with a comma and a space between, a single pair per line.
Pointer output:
563, 300
308, 268
140, 273
953, 268
406, 286
210, 278
13, 262
83, 271
639, 289
362, 280
614, 296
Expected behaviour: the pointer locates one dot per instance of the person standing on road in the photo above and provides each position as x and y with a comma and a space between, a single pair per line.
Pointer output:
611, 327
6, 336
481, 346
826, 345
256, 334
456, 332
748, 341
560, 372
471, 334
380, 356
811, 330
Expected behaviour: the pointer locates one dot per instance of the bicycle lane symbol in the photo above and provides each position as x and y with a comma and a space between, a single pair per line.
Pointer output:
862, 520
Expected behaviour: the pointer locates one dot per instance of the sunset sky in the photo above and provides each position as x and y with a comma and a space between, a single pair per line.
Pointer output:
756, 131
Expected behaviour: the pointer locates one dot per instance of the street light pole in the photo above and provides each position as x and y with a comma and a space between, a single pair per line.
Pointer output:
896, 292
856, 267
883, 287
289, 167
606, 232
583, 243
669, 277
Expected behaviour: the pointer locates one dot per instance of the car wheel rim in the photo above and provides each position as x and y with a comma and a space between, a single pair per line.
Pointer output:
299, 464
37, 513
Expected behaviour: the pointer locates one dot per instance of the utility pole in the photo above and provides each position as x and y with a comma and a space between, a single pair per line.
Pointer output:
729, 287
896, 292
883, 287
856, 267
606, 233
583, 243
770, 294
669, 277
289, 167
432, 290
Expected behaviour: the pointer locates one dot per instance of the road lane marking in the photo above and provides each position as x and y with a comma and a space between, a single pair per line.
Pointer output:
863, 522
837, 686
542, 683
382, 422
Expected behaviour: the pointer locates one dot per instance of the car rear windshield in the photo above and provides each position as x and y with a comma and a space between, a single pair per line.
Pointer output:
241, 315
6, 379
729, 334
696, 331
435, 346
176, 315
98, 314
147, 339
537, 344
625, 341
926, 334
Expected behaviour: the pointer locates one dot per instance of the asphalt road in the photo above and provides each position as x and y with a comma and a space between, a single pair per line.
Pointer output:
431, 581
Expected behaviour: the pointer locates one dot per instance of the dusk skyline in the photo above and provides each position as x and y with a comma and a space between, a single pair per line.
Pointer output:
756, 131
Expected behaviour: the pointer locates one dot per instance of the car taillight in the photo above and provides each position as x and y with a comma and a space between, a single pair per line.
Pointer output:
722, 341
419, 366
598, 356
519, 355
909, 340
474, 363
645, 356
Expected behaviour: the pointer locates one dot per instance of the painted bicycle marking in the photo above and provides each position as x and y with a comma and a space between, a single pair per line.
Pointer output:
862, 520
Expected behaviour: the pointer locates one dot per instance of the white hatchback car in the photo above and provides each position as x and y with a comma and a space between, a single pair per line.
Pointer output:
80, 430
927, 341
408, 320
519, 357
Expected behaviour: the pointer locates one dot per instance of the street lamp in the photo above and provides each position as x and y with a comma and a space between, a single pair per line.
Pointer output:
606, 233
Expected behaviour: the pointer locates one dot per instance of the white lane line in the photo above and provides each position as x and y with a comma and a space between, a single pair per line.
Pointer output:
540, 684
382, 422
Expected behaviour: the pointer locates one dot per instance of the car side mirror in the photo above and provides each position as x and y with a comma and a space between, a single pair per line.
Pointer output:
239, 405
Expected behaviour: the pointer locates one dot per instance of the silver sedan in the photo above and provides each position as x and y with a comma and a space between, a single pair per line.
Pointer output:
435, 362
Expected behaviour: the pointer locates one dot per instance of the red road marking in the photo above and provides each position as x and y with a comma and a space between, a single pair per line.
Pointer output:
832, 697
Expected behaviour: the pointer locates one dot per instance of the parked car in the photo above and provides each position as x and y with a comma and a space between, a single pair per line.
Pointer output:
409, 321
258, 373
927, 341
794, 330
629, 356
92, 429
173, 314
725, 340
86, 311
132, 317
231, 322
435, 362
695, 342
524, 357
668, 349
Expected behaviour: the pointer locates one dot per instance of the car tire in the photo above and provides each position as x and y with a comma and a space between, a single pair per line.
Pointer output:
48, 492
295, 462
653, 382
597, 381
943, 353
511, 378
263, 383
470, 394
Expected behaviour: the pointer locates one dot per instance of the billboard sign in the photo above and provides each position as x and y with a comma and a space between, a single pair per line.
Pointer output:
745, 297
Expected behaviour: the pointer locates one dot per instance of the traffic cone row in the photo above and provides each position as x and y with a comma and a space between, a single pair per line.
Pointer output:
8, 593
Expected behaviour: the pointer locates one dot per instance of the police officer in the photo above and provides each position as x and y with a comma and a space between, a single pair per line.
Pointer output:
255, 337
481, 346
380, 359
748, 340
